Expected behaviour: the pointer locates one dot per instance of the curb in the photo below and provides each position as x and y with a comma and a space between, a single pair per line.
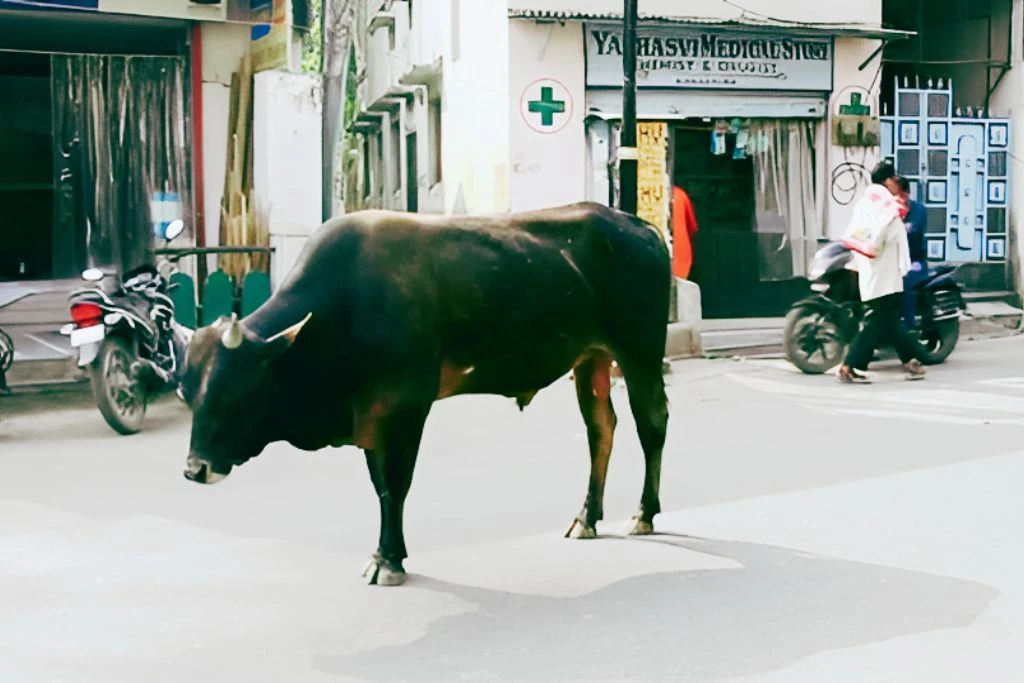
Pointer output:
683, 341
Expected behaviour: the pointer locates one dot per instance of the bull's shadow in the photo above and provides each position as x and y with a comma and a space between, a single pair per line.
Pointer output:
781, 606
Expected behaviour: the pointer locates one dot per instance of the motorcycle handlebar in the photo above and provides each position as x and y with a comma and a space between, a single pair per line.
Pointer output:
176, 254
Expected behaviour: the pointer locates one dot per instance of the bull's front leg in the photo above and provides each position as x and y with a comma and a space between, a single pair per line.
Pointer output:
391, 466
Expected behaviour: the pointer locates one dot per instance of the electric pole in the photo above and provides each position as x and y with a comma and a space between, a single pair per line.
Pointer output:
336, 28
627, 145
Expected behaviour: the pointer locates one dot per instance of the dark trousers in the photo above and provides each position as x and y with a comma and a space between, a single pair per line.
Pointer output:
910, 282
881, 326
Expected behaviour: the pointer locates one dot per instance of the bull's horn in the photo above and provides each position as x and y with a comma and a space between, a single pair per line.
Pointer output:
233, 337
292, 332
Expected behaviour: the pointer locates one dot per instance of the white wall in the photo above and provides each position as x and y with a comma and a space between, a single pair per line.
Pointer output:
848, 170
418, 40
1008, 100
473, 57
175, 9
546, 169
223, 47
865, 11
287, 112
475, 131
968, 38
216, 108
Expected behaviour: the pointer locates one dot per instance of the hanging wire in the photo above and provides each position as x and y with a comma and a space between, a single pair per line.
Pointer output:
766, 17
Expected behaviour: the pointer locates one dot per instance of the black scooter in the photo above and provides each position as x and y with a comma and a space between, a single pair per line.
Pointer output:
128, 339
819, 329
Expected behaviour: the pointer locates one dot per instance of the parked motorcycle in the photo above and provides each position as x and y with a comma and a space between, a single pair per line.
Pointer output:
128, 338
820, 328
6, 360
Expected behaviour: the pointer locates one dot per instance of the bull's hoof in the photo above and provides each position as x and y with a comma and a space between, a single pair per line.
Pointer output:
381, 572
638, 527
579, 530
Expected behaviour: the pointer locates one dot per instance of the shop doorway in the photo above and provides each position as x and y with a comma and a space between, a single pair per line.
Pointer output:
722, 191
88, 138
26, 167
755, 209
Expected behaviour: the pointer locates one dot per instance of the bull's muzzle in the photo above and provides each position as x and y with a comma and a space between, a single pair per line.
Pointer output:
201, 472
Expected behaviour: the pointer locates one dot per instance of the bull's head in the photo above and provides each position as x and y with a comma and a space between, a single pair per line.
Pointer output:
228, 383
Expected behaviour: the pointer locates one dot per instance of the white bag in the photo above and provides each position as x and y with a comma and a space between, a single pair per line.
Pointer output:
872, 214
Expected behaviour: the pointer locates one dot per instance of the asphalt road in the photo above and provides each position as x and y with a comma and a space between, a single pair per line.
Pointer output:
813, 532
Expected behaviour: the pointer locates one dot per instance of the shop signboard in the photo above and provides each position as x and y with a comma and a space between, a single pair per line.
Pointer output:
652, 170
271, 36
689, 57
49, 4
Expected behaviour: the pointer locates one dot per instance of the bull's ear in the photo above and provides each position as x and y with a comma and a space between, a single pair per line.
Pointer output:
283, 340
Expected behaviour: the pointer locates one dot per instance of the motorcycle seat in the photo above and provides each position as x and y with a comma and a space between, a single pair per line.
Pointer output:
137, 306
933, 275
144, 282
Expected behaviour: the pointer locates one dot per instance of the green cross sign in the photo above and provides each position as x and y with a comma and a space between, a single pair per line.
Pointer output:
547, 106
855, 108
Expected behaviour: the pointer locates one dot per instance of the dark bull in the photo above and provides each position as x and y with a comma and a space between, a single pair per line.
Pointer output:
385, 313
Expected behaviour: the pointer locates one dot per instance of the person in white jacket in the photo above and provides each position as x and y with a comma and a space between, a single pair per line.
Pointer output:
881, 255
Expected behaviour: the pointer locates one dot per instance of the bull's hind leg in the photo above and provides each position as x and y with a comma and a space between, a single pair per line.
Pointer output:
649, 404
593, 391
391, 467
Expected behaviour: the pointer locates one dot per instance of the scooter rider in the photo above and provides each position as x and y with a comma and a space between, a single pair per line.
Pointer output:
877, 236
916, 223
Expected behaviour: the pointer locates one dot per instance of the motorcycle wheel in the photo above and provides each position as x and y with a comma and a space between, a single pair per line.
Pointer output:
812, 342
121, 399
938, 341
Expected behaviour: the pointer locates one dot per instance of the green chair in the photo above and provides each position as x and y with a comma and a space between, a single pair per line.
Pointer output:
183, 294
218, 296
255, 291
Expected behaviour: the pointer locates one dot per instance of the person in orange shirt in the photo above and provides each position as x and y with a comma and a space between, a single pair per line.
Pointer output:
684, 226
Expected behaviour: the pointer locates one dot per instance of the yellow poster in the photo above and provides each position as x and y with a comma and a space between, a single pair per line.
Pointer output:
652, 198
271, 43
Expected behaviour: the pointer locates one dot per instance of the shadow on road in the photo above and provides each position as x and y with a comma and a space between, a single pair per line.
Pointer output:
72, 414
781, 606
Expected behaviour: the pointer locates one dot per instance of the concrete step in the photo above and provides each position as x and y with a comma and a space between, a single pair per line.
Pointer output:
27, 374
46, 308
34, 342
984, 318
977, 297
10, 294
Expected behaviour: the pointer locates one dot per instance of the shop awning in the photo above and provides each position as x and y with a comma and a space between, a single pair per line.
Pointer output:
75, 32
740, 23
